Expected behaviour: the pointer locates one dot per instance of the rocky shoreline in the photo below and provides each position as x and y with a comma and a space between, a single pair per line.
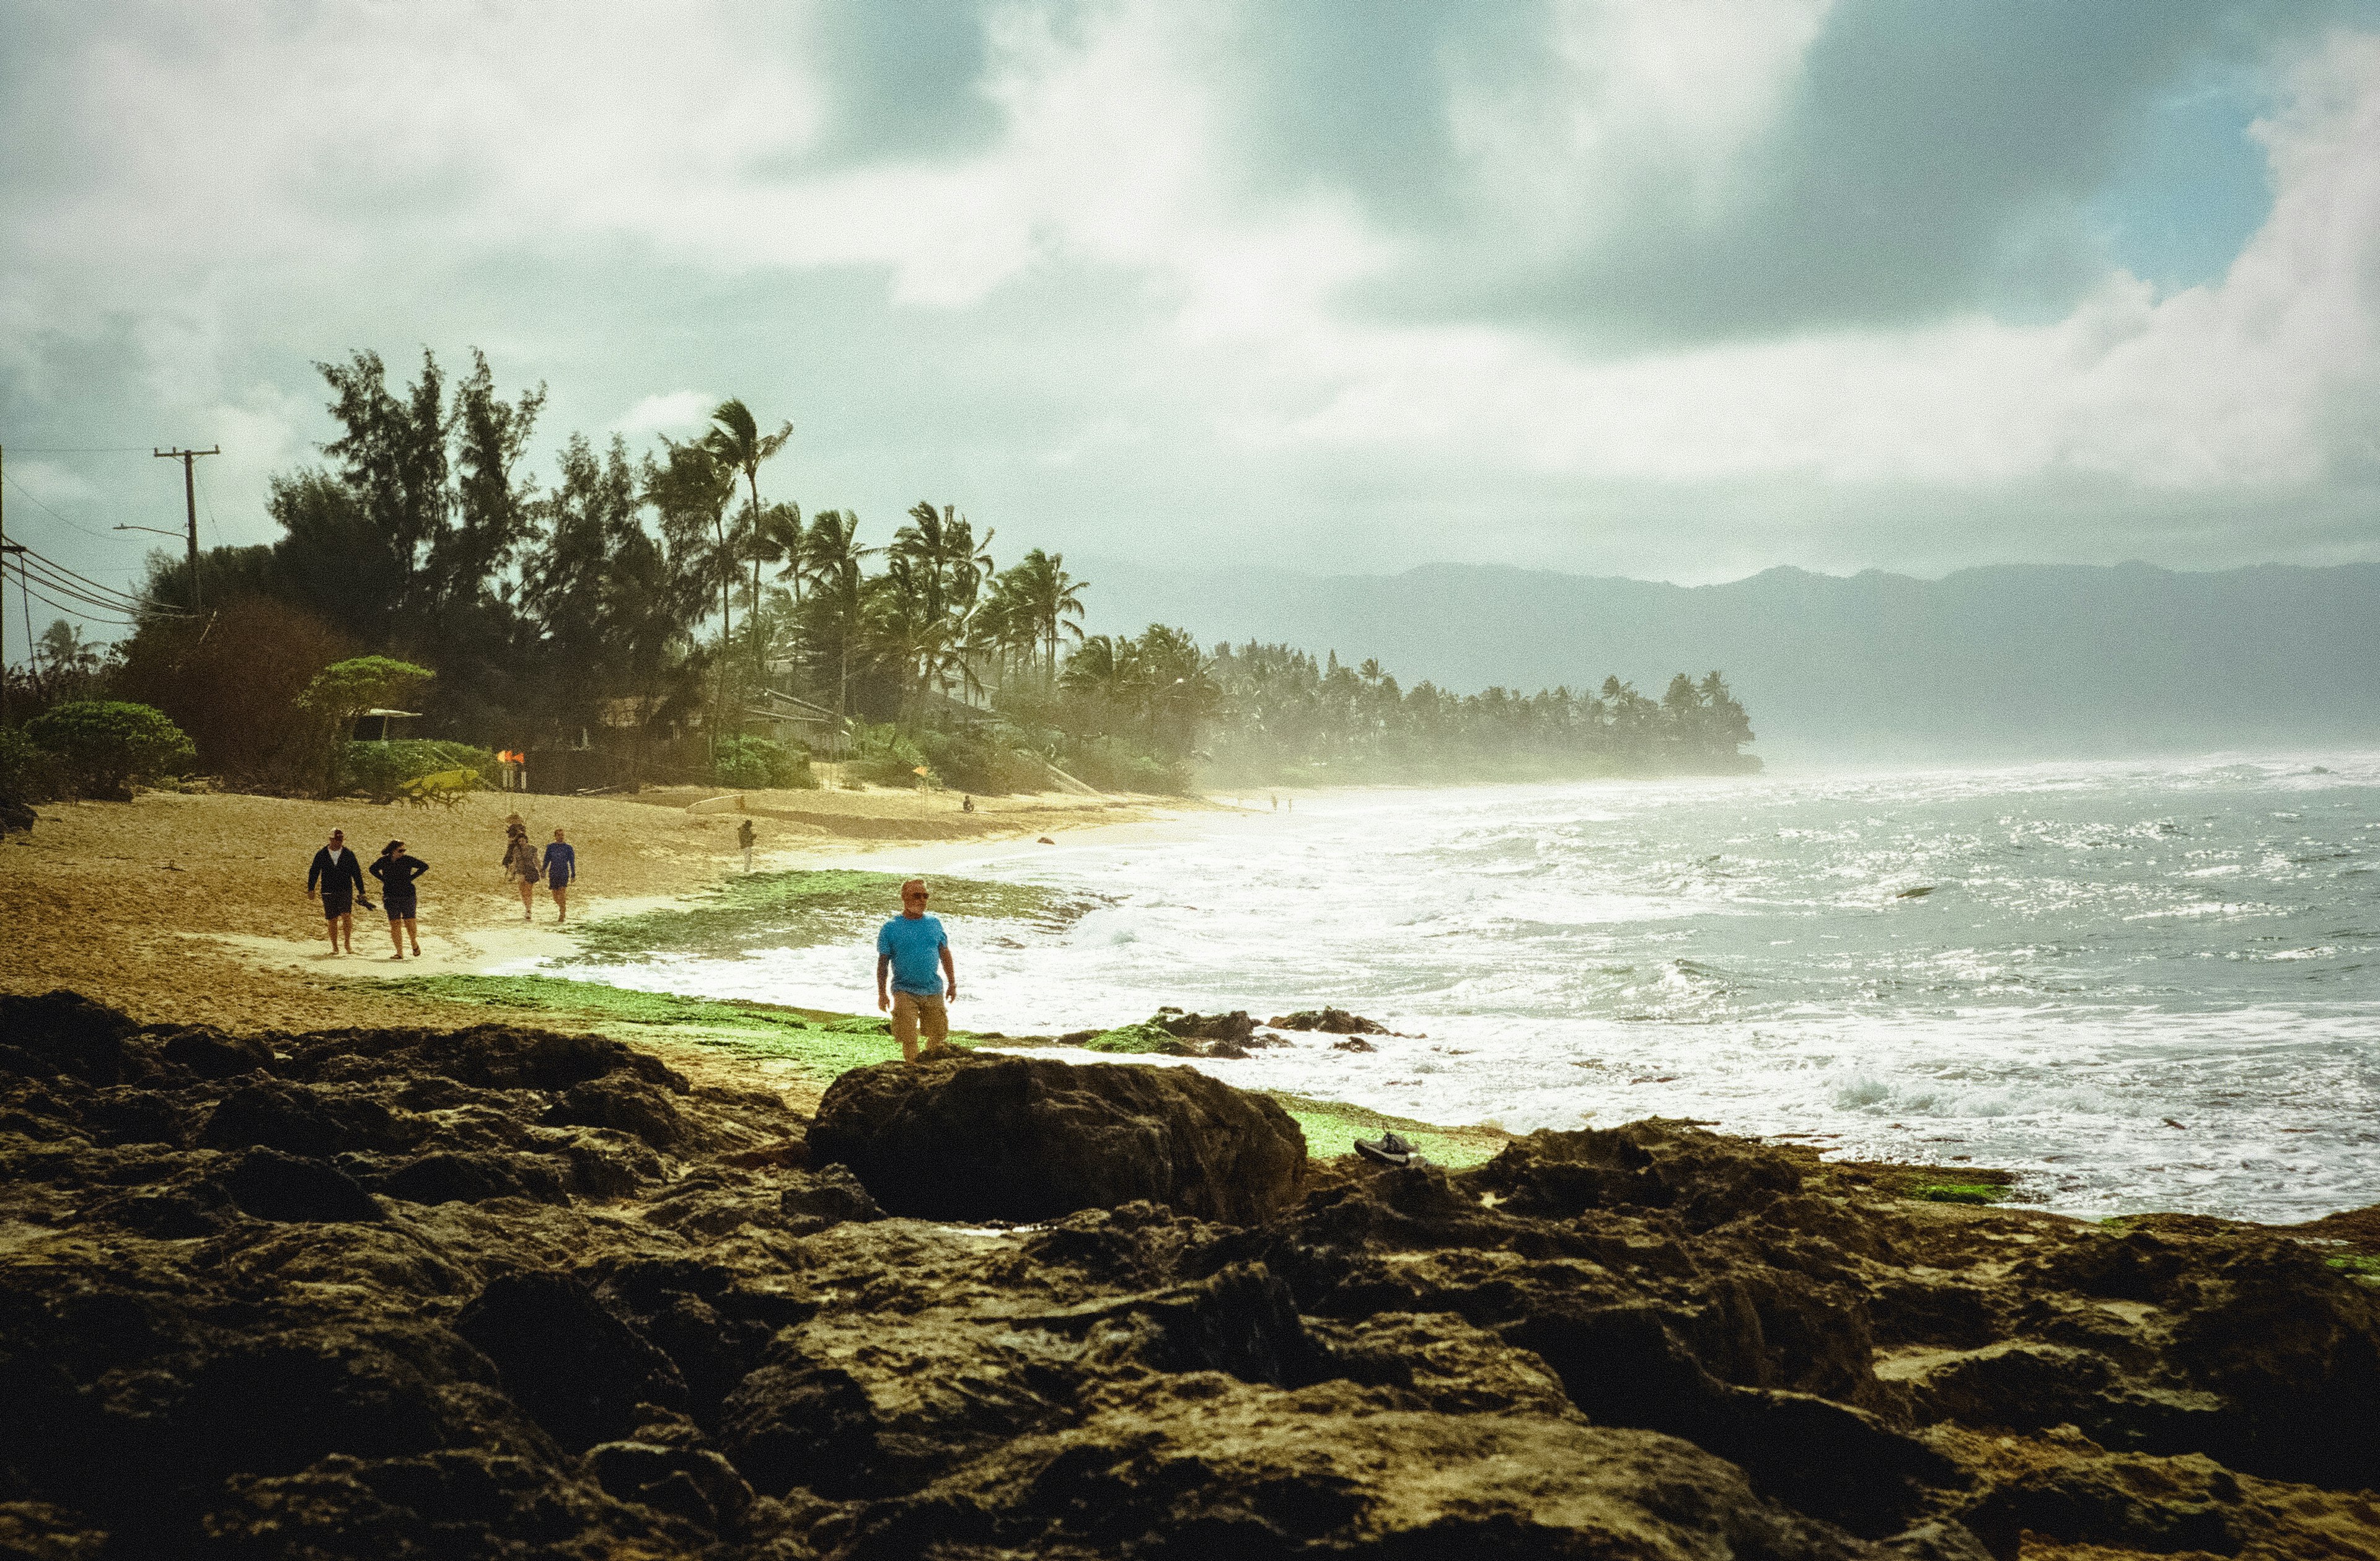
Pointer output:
503, 1291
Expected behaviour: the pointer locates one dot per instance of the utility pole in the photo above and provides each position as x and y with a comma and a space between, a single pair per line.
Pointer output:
5, 550
190, 499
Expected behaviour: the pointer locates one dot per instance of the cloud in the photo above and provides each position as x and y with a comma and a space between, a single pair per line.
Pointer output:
1590, 282
667, 412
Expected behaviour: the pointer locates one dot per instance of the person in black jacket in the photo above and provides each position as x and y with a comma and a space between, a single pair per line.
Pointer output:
396, 872
340, 879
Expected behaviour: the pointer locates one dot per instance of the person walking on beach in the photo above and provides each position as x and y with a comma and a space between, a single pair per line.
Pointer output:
521, 864
744, 840
561, 867
338, 878
396, 872
914, 950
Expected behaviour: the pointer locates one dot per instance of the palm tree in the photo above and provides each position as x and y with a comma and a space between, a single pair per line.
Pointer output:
65, 650
695, 486
736, 438
1056, 596
775, 537
829, 558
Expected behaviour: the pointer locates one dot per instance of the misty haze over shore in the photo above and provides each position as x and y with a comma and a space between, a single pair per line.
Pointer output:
2006, 662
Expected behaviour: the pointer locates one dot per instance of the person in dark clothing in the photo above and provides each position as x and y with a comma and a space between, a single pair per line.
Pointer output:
561, 867
338, 878
396, 872
744, 842
520, 864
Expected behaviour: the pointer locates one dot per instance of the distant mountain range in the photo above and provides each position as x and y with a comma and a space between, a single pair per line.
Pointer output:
2014, 661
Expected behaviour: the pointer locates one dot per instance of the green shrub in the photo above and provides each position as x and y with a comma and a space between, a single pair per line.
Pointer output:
387, 771
883, 757
761, 761
1112, 766
102, 745
994, 762
28, 771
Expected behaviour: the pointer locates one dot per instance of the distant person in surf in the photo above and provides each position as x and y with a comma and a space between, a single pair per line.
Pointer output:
561, 870
914, 953
522, 865
744, 842
396, 872
338, 878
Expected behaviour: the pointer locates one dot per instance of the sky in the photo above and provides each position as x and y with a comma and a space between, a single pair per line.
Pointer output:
1675, 289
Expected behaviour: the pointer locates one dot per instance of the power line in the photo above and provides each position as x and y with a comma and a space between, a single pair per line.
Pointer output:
101, 603
55, 567
53, 513
78, 449
81, 613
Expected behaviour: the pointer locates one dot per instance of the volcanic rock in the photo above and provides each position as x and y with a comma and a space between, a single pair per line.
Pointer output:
1330, 1020
1019, 1139
393, 1294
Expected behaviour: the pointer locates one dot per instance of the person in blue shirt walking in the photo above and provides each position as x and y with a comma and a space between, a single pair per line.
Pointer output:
915, 952
561, 872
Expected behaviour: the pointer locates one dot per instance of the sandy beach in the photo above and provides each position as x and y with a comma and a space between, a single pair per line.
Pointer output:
191, 908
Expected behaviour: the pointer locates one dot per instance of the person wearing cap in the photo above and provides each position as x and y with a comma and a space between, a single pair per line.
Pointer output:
396, 872
338, 878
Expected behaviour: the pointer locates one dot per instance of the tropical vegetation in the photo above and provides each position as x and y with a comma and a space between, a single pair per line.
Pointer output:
673, 614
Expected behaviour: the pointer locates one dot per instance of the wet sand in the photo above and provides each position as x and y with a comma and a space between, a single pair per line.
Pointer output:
192, 909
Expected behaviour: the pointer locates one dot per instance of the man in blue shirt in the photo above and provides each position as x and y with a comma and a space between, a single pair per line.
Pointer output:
914, 952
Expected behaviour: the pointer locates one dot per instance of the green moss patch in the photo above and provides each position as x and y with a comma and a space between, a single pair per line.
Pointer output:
1956, 1192
1130, 1040
801, 910
2357, 1265
821, 1044
1331, 1128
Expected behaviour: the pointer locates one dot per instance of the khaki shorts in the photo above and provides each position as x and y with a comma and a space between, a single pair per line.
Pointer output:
910, 1010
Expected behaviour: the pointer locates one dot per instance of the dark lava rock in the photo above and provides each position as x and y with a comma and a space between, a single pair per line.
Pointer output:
213, 1055
815, 1199
575, 1366
1652, 1341
1229, 1029
693, 1483
272, 1185
1014, 1138
450, 1178
1215, 1468
300, 1120
66, 1033
625, 1104
1330, 1020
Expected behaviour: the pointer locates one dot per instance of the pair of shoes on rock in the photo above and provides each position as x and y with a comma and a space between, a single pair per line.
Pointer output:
1390, 1149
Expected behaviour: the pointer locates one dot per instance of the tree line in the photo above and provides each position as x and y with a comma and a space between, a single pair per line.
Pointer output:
666, 602
1258, 712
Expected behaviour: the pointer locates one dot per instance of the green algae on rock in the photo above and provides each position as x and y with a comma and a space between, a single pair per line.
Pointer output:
821, 1044
802, 909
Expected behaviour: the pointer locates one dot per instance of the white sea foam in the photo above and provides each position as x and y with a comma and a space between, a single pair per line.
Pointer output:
2103, 951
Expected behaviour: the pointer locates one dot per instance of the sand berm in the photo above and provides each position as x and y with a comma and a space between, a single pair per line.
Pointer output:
283, 1277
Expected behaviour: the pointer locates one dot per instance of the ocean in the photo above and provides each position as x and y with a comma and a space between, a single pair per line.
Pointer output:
2150, 986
